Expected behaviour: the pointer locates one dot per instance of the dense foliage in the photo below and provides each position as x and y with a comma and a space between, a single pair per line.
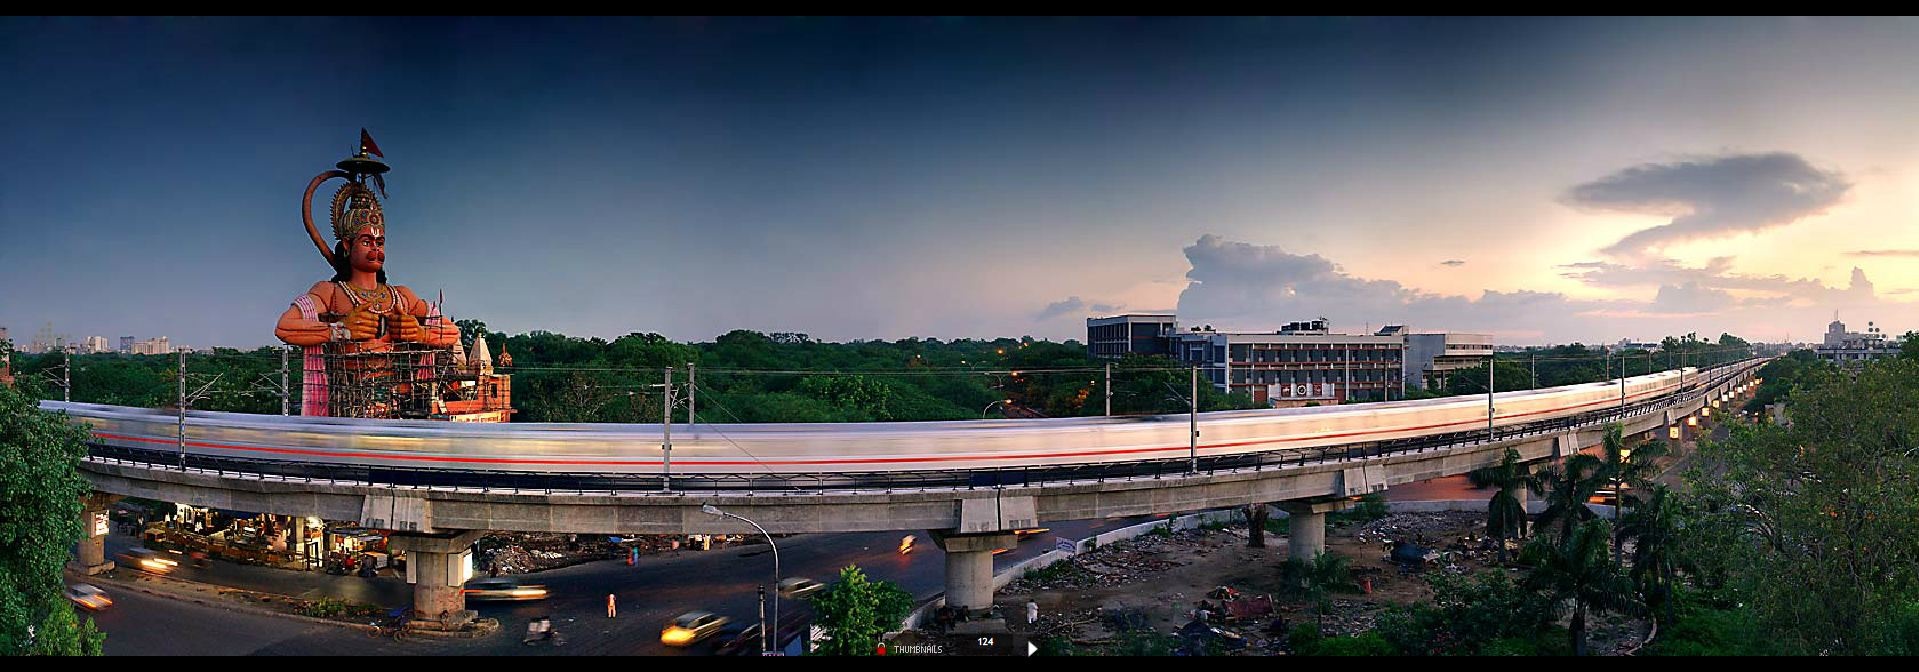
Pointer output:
1812, 529
855, 612
40, 505
743, 376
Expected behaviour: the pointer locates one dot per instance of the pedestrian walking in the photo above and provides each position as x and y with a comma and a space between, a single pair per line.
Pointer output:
610, 611
1032, 612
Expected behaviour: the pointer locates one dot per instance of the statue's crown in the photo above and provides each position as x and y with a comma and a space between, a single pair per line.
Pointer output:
354, 209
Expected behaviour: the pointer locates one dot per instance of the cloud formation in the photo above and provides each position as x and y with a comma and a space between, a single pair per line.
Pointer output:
1238, 285
1073, 305
1883, 253
1455, 263
1710, 197
1245, 287
1691, 298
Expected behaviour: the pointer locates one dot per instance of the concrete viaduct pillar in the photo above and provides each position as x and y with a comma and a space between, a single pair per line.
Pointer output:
91, 554
438, 567
1306, 526
969, 567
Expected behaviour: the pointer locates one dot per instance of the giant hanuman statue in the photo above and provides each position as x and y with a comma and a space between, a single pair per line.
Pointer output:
375, 350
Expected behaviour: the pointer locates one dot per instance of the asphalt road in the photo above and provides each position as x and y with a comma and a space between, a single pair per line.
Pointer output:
649, 594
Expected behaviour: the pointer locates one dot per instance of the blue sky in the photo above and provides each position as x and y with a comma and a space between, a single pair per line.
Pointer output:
884, 178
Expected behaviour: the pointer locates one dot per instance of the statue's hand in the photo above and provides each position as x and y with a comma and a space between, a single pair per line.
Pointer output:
363, 324
405, 328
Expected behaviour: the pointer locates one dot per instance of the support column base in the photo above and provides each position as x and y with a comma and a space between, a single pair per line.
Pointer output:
90, 570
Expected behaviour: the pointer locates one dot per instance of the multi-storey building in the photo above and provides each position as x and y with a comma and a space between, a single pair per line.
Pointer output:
126, 345
1852, 347
1299, 364
153, 346
95, 344
1136, 333
1429, 357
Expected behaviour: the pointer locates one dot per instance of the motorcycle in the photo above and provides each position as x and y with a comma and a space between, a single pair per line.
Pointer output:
541, 628
906, 544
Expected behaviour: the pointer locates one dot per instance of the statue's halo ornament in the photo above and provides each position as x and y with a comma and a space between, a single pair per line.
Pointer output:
354, 205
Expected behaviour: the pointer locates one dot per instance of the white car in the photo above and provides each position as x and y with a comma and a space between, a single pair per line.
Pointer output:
89, 596
800, 587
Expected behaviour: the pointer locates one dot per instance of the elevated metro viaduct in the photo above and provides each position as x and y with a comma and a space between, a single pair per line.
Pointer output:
436, 524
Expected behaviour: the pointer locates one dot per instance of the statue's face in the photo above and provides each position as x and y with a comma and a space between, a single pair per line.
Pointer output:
367, 251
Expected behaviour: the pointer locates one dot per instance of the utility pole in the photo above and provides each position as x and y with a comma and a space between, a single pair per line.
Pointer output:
181, 429
1535, 358
1489, 399
763, 620
1109, 388
1194, 443
692, 395
66, 374
666, 427
283, 381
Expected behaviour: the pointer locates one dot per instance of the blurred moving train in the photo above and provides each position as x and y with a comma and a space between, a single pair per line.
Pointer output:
772, 448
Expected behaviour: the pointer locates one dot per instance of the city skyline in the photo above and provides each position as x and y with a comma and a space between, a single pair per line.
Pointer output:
1541, 180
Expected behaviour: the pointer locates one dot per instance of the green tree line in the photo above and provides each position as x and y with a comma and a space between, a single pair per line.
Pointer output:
742, 376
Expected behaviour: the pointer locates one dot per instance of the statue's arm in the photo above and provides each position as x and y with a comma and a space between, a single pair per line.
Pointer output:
440, 330
296, 329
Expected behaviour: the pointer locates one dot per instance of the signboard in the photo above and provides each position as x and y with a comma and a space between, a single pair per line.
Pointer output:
1064, 545
1303, 391
100, 523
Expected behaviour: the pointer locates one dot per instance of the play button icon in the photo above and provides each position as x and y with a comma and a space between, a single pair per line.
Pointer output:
1030, 649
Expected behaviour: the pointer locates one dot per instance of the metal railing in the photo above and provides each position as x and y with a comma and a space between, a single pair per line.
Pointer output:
551, 483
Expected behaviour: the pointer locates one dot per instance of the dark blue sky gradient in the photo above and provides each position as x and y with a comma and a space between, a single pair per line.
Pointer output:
851, 178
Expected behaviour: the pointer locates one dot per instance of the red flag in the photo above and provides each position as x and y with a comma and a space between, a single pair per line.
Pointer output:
367, 146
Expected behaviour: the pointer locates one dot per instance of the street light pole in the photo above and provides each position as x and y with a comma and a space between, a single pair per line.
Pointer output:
283, 381
1489, 396
1194, 442
1109, 388
182, 427
666, 428
714, 510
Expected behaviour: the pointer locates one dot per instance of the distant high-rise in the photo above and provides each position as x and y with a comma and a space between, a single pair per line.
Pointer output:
126, 345
1852, 347
153, 346
95, 345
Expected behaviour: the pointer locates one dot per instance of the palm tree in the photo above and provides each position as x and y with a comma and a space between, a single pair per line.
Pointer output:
1580, 568
1653, 526
1633, 468
1566, 487
1505, 516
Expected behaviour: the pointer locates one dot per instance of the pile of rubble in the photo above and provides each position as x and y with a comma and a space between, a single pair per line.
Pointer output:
1118, 564
1419, 528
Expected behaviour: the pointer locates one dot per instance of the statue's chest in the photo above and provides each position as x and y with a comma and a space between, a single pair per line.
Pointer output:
383, 300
